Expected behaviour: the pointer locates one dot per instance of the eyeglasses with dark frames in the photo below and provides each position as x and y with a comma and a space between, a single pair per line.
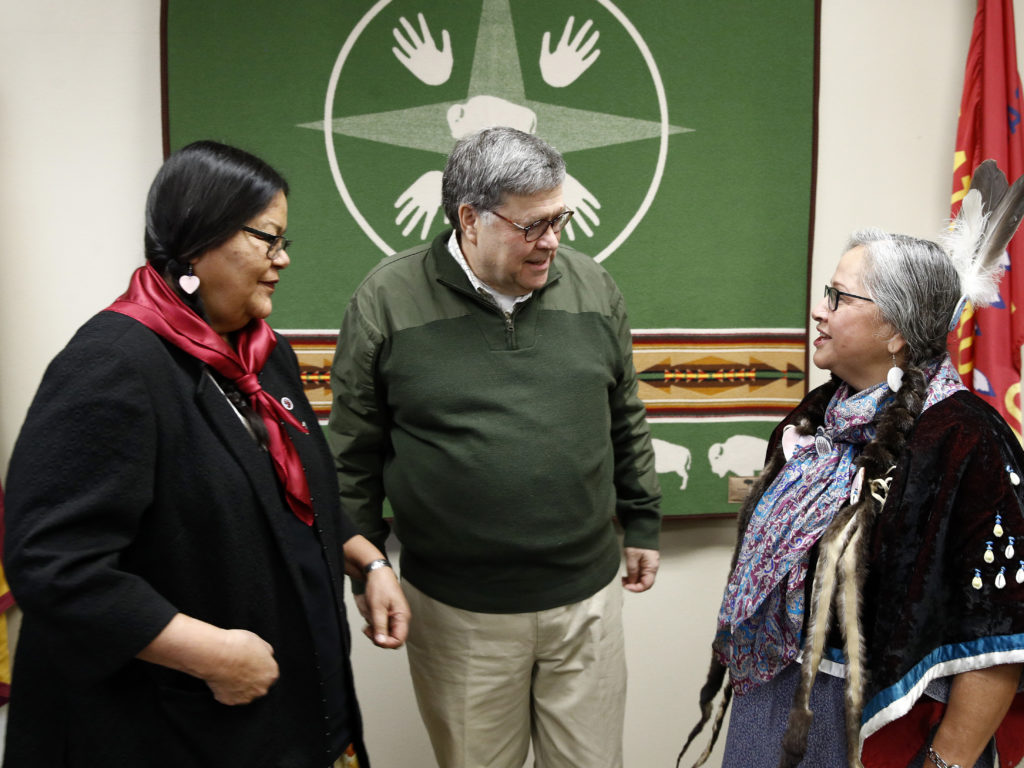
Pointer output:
276, 243
535, 231
833, 295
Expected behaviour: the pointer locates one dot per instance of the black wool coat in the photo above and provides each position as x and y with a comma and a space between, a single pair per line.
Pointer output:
135, 492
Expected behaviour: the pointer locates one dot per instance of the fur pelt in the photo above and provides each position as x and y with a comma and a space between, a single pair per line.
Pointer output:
839, 575
716, 677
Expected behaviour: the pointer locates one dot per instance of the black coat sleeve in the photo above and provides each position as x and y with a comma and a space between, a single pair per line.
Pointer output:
80, 479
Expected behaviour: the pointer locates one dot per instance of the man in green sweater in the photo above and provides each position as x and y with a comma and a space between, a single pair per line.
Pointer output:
486, 388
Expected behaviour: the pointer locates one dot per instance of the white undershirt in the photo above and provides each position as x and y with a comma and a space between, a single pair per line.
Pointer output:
503, 300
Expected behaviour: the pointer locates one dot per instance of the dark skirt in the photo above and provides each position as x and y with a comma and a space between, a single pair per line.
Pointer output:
758, 722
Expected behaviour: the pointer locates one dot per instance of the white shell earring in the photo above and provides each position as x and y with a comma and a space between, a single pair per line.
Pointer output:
894, 378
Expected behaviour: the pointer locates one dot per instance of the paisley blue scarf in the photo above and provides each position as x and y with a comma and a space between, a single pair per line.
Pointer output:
761, 616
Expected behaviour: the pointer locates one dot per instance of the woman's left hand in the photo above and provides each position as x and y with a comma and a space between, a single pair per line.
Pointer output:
978, 701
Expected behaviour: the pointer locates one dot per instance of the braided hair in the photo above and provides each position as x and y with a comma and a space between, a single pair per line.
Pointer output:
915, 288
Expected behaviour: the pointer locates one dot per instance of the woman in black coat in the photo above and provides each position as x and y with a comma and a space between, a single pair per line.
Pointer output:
173, 530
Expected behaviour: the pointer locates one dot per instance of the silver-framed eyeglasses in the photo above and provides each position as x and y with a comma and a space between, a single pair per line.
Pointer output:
275, 243
833, 294
535, 231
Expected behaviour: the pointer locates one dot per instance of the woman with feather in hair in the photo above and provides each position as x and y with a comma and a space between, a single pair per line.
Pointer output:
873, 615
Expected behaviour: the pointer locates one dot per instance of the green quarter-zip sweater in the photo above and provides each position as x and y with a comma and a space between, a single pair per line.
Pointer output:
505, 443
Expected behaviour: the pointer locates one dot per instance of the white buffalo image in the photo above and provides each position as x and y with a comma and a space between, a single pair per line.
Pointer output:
486, 111
669, 457
743, 455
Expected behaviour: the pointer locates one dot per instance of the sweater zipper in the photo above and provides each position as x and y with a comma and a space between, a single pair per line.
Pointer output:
509, 318
510, 329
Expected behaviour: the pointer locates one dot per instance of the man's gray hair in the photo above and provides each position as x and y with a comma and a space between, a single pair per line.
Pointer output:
494, 162
915, 287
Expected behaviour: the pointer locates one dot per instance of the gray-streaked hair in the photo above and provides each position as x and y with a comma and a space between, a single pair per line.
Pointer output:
915, 287
490, 163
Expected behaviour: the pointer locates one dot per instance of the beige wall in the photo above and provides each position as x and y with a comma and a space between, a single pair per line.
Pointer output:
80, 142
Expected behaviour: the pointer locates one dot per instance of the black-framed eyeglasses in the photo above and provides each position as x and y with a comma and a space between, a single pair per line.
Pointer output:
535, 231
275, 243
833, 294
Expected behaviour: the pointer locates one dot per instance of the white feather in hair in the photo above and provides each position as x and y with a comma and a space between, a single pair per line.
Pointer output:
989, 216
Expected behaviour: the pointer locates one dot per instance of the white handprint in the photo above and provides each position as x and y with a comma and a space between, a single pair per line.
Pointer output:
420, 201
420, 54
568, 61
580, 199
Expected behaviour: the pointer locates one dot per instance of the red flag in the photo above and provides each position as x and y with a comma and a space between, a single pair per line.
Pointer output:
985, 346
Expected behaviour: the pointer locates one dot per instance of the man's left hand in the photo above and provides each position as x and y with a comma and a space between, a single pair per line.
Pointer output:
385, 609
641, 568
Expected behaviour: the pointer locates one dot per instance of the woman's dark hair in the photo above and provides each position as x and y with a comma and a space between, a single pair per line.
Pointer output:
201, 197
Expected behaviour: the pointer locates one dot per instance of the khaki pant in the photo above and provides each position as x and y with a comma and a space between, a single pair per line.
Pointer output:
486, 682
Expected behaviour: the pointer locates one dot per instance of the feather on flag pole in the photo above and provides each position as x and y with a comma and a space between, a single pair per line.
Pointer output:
989, 216
986, 345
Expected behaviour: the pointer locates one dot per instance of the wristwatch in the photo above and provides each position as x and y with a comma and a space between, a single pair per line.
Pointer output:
382, 562
939, 762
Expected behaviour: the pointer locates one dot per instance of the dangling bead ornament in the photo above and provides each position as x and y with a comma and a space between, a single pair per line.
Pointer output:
1001, 578
858, 485
989, 556
1009, 549
1020, 572
997, 529
976, 581
1014, 477
189, 283
822, 442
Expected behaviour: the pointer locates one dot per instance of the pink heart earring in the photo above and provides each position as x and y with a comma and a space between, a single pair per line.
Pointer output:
189, 283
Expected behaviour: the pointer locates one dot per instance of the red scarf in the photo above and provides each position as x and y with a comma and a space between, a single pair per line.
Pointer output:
152, 302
